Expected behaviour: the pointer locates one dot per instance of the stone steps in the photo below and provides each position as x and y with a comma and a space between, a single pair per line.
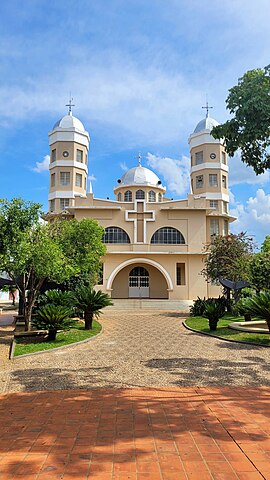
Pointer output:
150, 304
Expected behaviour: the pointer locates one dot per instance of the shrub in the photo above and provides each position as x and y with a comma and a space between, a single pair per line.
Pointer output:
258, 306
52, 318
90, 302
197, 309
214, 310
56, 297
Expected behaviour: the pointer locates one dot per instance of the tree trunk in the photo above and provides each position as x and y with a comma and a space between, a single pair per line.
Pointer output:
21, 305
28, 315
229, 306
88, 320
52, 334
212, 324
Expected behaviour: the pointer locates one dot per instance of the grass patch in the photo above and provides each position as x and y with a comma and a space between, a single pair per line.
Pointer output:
201, 324
76, 333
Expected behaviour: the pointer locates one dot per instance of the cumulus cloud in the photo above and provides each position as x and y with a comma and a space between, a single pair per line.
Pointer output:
241, 173
176, 173
123, 166
42, 166
253, 216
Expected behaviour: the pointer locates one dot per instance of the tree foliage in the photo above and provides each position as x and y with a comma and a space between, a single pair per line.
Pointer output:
260, 267
228, 257
249, 129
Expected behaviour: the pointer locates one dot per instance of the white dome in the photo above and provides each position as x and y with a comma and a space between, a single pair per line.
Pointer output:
68, 121
206, 124
140, 176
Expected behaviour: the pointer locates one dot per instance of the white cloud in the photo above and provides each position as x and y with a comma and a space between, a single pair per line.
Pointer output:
176, 173
253, 216
123, 166
241, 173
42, 166
92, 178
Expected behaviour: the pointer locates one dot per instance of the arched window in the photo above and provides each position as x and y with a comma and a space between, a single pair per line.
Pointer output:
140, 194
159, 197
115, 235
119, 197
128, 196
168, 235
139, 272
151, 196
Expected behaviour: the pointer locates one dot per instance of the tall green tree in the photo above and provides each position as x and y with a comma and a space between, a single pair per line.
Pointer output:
260, 267
228, 257
249, 128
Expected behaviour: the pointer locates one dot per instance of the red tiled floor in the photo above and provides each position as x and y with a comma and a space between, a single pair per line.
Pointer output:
136, 434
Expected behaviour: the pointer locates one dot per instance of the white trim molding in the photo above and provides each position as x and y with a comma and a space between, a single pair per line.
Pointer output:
68, 163
134, 220
210, 166
62, 194
139, 260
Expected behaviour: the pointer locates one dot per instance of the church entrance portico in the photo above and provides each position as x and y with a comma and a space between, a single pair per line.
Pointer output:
139, 280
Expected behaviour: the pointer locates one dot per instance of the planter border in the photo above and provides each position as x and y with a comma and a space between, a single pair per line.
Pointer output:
243, 342
13, 345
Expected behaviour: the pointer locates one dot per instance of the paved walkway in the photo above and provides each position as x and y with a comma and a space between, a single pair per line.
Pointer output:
138, 349
136, 434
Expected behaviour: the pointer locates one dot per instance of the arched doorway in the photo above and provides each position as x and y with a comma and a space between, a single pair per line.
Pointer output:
138, 283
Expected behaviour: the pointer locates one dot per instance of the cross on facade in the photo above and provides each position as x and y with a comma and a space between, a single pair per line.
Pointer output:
207, 109
140, 216
70, 105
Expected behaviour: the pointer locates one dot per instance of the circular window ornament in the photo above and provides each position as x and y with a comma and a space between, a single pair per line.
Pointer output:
213, 156
65, 154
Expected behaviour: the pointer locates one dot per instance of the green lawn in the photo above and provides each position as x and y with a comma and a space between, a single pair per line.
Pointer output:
75, 334
201, 324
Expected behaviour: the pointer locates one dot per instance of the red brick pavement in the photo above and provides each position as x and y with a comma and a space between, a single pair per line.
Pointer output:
136, 434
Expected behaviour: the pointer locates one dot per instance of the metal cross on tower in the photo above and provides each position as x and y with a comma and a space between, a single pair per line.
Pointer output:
139, 157
207, 109
70, 105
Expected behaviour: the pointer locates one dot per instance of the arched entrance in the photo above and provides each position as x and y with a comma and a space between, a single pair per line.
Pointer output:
153, 280
138, 284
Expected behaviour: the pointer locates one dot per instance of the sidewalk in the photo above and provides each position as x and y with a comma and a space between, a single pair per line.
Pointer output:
136, 434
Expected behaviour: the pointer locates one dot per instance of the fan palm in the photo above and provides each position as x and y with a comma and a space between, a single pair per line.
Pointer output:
213, 310
52, 318
90, 302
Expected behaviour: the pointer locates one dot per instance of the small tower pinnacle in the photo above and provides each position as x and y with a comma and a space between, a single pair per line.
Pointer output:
207, 109
70, 105
139, 157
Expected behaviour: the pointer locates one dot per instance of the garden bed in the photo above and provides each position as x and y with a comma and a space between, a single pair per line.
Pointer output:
200, 324
76, 333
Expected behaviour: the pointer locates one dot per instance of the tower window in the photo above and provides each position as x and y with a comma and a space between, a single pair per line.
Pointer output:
53, 158
214, 226
180, 274
198, 158
226, 227
140, 194
225, 207
214, 204
52, 205
79, 156
151, 196
78, 180
64, 203
53, 180
64, 178
213, 180
223, 158
128, 196
159, 197
199, 181
224, 181
119, 197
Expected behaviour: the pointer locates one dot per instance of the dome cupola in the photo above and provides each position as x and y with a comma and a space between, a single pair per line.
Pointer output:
139, 176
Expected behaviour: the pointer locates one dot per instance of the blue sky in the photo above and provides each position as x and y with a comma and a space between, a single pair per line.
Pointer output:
139, 72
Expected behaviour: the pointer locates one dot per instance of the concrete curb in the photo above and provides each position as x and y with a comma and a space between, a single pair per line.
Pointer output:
222, 338
13, 345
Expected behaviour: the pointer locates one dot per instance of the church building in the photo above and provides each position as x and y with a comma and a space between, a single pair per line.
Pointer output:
155, 245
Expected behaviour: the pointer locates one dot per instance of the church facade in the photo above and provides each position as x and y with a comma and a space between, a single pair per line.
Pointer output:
155, 245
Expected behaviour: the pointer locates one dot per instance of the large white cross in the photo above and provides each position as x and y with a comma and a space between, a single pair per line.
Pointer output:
139, 216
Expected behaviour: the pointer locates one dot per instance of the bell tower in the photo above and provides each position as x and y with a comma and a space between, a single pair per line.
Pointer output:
69, 145
209, 174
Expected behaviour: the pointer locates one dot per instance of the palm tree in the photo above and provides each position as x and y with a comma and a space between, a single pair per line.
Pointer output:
90, 302
52, 318
213, 310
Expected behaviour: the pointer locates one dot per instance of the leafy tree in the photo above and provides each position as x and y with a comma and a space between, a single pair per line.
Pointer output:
228, 257
260, 267
90, 302
81, 242
249, 129
266, 244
